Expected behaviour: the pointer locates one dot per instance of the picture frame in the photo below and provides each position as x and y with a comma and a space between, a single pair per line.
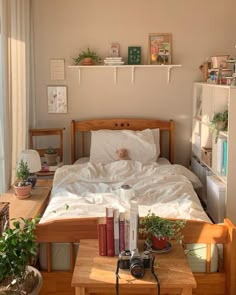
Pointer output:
134, 55
159, 52
57, 99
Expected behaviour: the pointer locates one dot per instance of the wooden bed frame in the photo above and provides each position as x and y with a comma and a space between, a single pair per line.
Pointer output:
73, 230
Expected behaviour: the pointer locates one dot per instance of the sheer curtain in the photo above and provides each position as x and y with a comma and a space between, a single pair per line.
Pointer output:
16, 81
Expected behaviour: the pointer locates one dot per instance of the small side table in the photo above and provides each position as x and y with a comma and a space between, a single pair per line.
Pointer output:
32, 206
94, 274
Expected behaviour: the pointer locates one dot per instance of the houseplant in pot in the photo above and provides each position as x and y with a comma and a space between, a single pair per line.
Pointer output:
22, 187
159, 230
219, 123
18, 248
51, 156
87, 57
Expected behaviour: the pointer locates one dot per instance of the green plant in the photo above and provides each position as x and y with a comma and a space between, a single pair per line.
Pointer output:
22, 173
87, 53
50, 151
153, 225
18, 248
219, 123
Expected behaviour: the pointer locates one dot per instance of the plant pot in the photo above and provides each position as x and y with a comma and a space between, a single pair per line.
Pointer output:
51, 159
23, 192
158, 243
87, 61
40, 282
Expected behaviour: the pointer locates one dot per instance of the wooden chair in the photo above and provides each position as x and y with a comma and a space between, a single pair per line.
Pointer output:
47, 132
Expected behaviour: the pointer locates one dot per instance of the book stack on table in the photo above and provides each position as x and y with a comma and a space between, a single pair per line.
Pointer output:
118, 231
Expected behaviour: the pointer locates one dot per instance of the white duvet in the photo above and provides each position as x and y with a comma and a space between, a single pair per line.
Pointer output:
85, 190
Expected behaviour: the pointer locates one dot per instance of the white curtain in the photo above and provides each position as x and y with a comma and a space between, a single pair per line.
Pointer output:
16, 61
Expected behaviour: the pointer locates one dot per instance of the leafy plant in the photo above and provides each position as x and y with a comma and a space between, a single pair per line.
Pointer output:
22, 173
153, 225
17, 248
50, 151
219, 123
87, 53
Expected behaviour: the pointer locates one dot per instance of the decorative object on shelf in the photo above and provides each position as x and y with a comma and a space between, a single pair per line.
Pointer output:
159, 230
113, 61
51, 156
32, 158
87, 57
206, 156
22, 187
159, 49
134, 55
18, 247
57, 99
114, 49
219, 123
204, 69
219, 60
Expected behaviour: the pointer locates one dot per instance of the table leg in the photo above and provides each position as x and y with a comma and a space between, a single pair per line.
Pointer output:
187, 291
80, 291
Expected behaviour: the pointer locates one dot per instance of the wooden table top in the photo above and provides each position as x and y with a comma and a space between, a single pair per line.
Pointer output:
92, 270
32, 206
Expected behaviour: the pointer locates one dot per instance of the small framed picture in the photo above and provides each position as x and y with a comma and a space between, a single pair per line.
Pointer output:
114, 49
159, 49
57, 99
134, 55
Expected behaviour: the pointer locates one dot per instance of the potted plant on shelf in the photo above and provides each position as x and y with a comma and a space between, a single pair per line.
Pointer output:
22, 187
159, 230
18, 248
87, 57
219, 123
51, 156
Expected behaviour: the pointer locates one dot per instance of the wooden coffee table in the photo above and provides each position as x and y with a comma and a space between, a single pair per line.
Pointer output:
94, 274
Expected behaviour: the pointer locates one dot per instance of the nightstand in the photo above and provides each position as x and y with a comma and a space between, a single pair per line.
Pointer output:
32, 206
94, 274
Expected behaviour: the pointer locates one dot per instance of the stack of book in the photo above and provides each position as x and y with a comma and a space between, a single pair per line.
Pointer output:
222, 147
113, 61
118, 231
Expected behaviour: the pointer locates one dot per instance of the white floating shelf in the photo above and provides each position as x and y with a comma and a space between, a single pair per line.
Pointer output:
132, 67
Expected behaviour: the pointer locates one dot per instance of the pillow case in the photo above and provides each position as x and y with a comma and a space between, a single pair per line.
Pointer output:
140, 145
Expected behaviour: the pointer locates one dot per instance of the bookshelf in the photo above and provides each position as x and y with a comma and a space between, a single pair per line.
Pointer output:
215, 158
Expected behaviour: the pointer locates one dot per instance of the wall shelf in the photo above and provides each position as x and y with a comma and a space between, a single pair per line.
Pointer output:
131, 67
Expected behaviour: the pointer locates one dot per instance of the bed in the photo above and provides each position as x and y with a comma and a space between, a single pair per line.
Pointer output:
60, 225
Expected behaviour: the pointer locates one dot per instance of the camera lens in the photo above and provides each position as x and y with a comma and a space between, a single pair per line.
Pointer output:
137, 268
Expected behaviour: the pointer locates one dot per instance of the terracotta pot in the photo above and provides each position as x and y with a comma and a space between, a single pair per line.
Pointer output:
51, 159
23, 192
158, 243
87, 61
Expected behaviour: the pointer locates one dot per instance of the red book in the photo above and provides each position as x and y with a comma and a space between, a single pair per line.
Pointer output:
110, 232
122, 231
102, 236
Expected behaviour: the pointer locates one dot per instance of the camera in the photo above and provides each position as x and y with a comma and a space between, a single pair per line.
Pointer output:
135, 262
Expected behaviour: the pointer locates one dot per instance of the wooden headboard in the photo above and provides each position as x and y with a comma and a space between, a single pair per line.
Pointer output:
119, 124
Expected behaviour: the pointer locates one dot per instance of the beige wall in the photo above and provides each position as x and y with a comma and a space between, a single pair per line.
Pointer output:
62, 28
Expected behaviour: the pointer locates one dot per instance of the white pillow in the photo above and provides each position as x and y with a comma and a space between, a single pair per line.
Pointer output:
156, 137
140, 145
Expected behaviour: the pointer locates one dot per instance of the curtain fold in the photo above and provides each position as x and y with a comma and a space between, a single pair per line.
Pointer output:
16, 18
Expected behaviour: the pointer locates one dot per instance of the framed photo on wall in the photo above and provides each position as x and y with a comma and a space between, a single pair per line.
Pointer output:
57, 99
159, 49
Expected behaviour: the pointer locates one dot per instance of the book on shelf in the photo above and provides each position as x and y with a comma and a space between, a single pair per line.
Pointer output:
225, 155
110, 231
220, 154
122, 231
102, 236
127, 230
116, 231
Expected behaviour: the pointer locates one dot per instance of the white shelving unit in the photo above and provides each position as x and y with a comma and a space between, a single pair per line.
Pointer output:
209, 99
132, 68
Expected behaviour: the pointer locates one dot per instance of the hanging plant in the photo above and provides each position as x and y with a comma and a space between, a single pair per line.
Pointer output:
219, 123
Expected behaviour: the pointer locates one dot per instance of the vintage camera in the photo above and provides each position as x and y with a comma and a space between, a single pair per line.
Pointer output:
135, 262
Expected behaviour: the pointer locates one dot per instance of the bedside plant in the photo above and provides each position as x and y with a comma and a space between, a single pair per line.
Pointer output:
18, 248
22, 186
87, 57
51, 156
159, 230
219, 123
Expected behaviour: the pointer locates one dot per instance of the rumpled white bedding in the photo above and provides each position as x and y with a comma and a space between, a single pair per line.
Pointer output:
85, 190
